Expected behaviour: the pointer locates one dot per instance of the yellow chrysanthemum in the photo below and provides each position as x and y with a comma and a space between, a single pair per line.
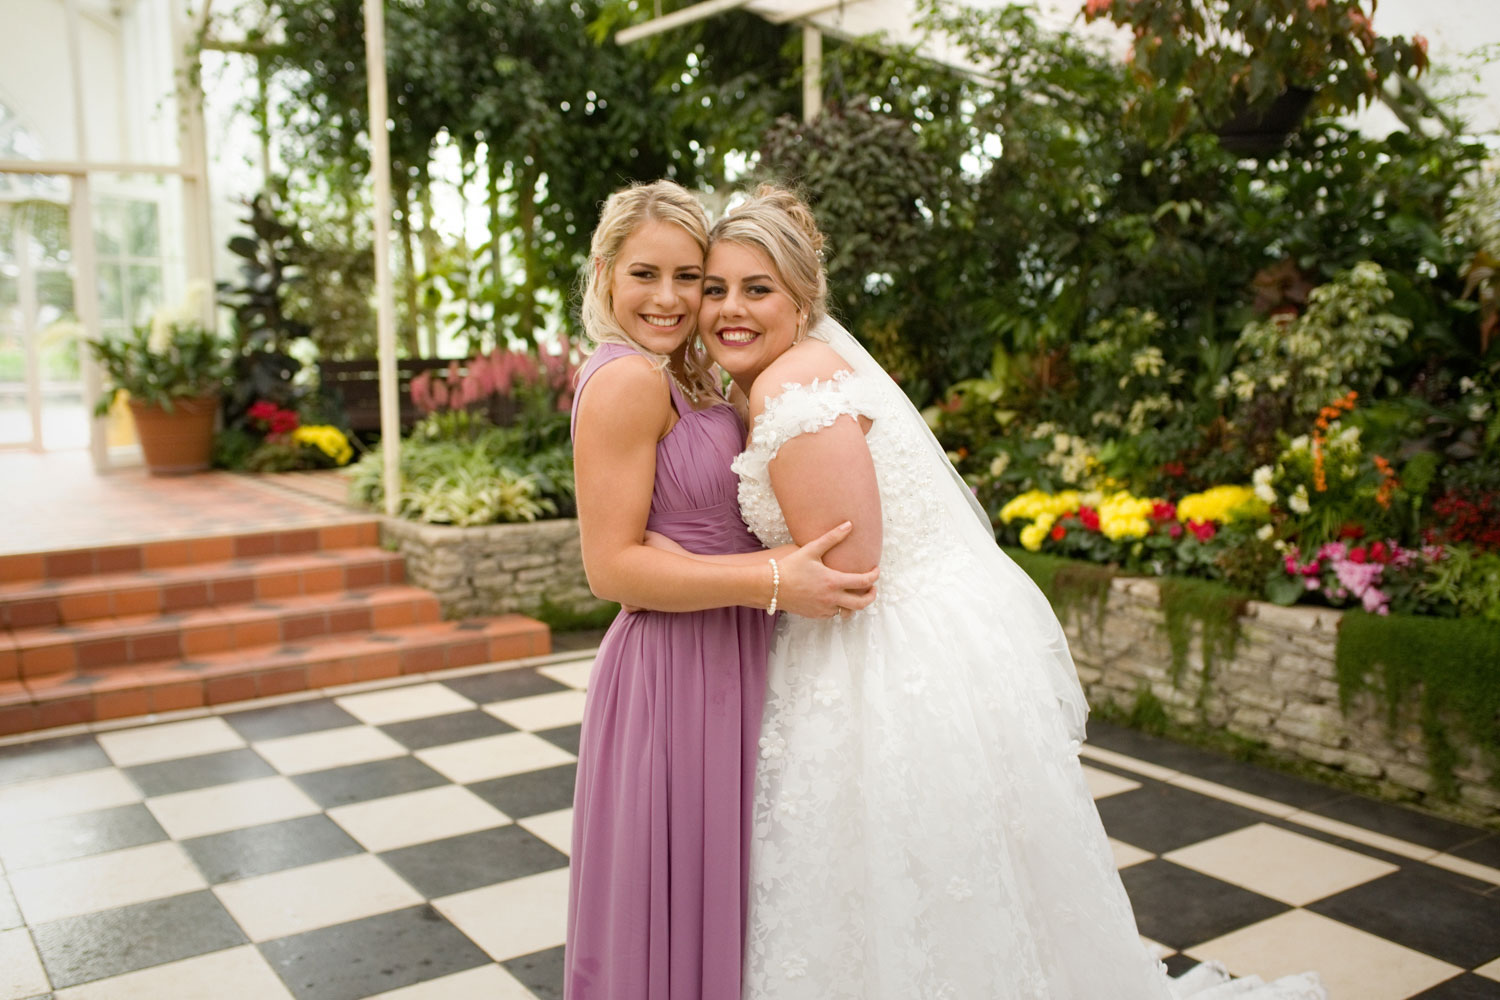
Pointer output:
1222, 504
1032, 536
1123, 517
327, 439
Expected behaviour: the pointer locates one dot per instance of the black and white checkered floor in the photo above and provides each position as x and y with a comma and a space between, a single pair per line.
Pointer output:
409, 842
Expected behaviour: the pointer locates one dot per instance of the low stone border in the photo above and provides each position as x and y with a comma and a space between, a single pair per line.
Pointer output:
1280, 690
497, 568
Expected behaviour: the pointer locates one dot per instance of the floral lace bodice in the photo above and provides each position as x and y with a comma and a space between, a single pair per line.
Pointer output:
914, 548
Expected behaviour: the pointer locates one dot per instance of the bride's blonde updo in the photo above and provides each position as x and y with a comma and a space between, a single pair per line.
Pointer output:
779, 224
624, 212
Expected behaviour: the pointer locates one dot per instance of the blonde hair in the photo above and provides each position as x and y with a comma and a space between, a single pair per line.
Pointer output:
781, 226
624, 212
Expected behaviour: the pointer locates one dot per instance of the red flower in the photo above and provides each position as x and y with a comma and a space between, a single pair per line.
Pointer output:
262, 410
1174, 530
1058, 532
1379, 552
1163, 510
1090, 518
283, 422
1173, 469
1358, 554
1203, 530
1351, 531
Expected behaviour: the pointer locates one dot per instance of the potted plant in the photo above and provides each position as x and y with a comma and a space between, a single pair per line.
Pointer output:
172, 372
1249, 69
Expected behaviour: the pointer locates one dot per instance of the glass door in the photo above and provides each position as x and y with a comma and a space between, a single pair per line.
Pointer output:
41, 391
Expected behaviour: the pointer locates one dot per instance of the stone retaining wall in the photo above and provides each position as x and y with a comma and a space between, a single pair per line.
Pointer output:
1280, 690
497, 568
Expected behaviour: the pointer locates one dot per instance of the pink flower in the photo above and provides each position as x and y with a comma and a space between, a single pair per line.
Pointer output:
1094, 8
1375, 602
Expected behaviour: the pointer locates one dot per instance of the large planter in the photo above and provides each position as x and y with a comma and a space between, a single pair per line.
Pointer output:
179, 441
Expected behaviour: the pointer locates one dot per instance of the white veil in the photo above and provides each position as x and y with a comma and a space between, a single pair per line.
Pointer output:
968, 521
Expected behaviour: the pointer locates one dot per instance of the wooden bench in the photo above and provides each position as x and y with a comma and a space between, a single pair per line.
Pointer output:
356, 385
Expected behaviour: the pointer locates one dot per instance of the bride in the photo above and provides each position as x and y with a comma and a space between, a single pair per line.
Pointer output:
922, 827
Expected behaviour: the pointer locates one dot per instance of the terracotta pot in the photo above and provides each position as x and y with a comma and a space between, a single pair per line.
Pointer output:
178, 442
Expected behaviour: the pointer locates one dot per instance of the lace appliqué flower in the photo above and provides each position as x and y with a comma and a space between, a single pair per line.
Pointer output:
827, 693
772, 746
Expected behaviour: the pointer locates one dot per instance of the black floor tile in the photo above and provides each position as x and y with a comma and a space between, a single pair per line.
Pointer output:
438, 730
273, 847
289, 720
1418, 908
51, 758
373, 955
1181, 908
1285, 788
473, 860
1398, 821
376, 779
502, 685
1153, 749
1464, 987
565, 737
541, 972
1159, 818
96, 945
43, 842
1485, 850
1177, 963
530, 792
187, 773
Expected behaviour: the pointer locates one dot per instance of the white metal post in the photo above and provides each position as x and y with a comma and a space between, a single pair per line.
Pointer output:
812, 72
385, 300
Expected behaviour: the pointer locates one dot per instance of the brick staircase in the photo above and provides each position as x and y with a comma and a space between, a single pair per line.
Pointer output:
126, 630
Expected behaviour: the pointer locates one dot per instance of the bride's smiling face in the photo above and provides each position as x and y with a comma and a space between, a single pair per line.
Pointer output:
748, 319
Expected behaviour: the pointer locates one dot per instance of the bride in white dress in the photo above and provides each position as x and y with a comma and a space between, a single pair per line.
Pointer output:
922, 826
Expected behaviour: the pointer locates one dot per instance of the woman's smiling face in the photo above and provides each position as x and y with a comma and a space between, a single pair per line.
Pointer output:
748, 319
657, 286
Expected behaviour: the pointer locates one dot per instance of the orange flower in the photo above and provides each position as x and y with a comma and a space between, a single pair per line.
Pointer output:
1388, 482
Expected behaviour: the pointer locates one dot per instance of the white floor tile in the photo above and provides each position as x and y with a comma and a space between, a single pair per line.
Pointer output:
379, 708
328, 749
1278, 863
416, 817
574, 674
1354, 965
1103, 784
21, 973
1490, 970
556, 828
1214, 790
1464, 866
104, 881
1127, 854
236, 974
320, 895
230, 807
49, 798
1124, 763
487, 982
542, 711
169, 741
512, 918
493, 757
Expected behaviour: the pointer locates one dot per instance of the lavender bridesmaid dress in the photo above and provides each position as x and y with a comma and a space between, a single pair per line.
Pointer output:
666, 766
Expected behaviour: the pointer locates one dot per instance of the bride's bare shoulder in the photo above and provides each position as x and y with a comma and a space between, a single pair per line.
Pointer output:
800, 365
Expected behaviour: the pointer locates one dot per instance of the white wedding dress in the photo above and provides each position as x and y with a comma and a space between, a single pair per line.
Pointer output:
922, 827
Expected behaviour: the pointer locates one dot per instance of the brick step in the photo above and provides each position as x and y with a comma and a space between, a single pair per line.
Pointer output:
95, 560
172, 684
103, 643
185, 587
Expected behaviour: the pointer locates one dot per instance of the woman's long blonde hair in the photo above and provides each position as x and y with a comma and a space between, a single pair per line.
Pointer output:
779, 224
624, 212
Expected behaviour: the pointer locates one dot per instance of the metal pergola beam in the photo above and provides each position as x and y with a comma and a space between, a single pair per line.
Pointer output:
676, 19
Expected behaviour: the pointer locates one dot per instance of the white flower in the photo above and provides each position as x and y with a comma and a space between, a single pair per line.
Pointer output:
826, 693
1298, 501
787, 807
1349, 435
1276, 380
1466, 384
1000, 464
1265, 532
959, 889
772, 746
161, 333
795, 966
1478, 411
1261, 479
1299, 443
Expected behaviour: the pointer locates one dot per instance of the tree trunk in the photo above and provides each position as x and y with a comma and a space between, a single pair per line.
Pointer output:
530, 173
428, 239
497, 244
408, 329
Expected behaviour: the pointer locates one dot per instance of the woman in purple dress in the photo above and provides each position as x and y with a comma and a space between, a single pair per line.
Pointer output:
666, 763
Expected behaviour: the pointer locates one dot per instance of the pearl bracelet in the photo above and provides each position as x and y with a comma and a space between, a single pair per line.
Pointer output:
775, 588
